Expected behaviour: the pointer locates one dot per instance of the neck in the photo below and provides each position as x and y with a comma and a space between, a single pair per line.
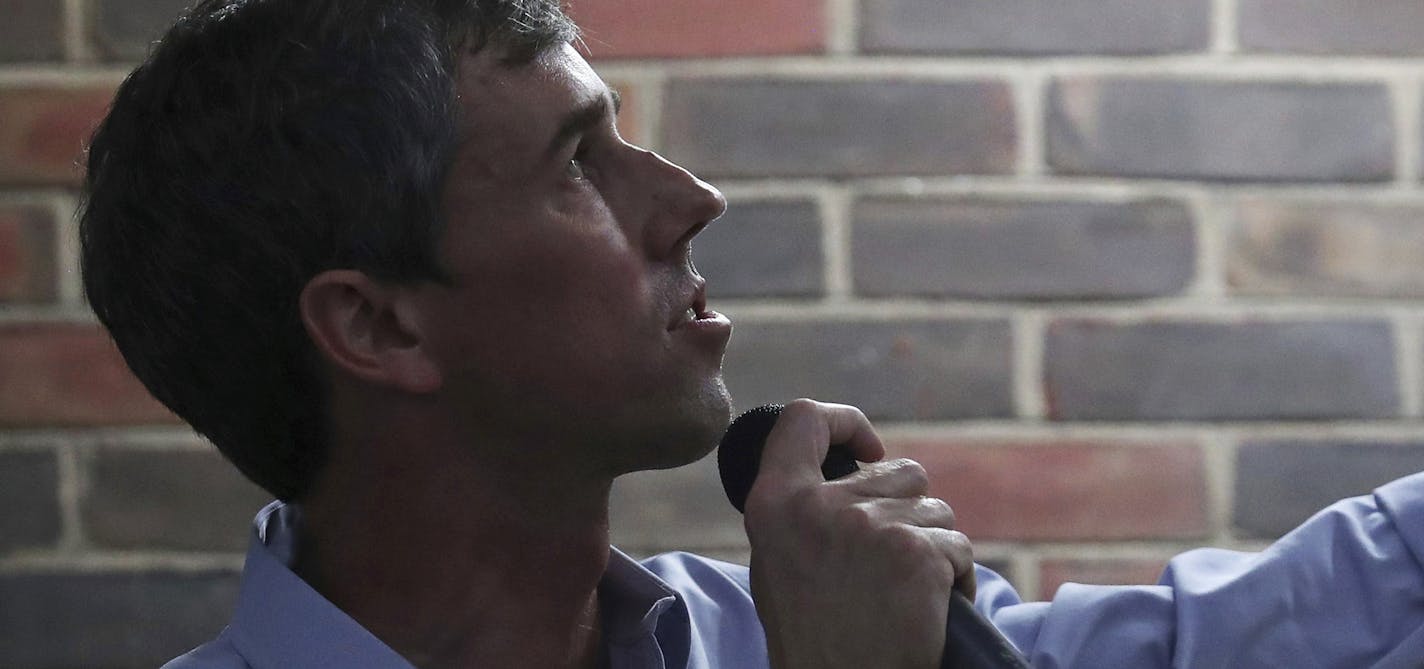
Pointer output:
453, 562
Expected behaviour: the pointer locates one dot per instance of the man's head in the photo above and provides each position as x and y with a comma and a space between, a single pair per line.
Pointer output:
262, 143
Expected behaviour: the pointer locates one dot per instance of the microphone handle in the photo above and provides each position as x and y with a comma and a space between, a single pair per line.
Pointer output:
970, 641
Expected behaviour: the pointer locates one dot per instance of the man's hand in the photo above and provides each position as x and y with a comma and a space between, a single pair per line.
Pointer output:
854, 572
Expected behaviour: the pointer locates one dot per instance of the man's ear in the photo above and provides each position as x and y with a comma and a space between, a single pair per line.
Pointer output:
368, 330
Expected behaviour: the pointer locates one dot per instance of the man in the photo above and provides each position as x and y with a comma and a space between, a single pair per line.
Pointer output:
393, 259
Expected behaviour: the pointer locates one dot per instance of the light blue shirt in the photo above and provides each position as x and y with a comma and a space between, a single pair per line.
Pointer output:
1344, 590
674, 610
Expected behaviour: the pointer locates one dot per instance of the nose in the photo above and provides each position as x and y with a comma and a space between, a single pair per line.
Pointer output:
682, 206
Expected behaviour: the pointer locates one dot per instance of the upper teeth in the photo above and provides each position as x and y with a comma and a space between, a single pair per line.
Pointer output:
691, 314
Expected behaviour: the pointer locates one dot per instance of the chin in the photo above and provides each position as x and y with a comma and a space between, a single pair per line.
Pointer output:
688, 433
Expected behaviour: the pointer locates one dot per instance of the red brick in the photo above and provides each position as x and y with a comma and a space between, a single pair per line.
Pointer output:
686, 28
1054, 573
1066, 491
27, 238
68, 374
43, 132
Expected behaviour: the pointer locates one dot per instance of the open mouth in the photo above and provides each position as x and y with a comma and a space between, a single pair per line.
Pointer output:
694, 313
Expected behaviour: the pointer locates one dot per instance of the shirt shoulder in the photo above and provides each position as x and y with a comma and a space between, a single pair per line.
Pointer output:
689, 572
722, 623
216, 654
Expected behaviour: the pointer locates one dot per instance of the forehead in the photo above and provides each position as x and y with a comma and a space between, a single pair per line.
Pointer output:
511, 110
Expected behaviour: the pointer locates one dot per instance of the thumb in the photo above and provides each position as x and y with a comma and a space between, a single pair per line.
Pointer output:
804, 432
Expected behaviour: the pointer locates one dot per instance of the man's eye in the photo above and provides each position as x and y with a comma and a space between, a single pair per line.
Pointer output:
574, 169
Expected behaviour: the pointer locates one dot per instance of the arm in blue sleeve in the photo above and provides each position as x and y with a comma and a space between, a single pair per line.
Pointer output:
1345, 589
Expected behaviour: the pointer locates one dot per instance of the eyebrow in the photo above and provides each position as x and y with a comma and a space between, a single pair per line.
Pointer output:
584, 117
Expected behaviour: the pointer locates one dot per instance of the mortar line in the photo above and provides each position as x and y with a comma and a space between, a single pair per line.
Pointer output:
1030, 90
75, 29
71, 487
653, 91
1225, 27
1026, 565
1409, 357
1219, 461
122, 561
1248, 67
1405, 91
841, 24
1268, 309
1093, 188
835, 204
1029, 329
66, 250
1214, 216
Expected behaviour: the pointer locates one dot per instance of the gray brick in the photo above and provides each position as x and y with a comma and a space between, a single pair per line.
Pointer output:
1279, 484
916, 369
109, 620
1220, 130
1220, 371
1022, 249
32, 30
722, 127
187, 500
762, 248
675, 509
1060, 27
1383, 27
29, 500
124, 29
1315, 248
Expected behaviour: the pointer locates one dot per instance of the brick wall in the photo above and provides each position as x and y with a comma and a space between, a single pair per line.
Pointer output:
1128, 276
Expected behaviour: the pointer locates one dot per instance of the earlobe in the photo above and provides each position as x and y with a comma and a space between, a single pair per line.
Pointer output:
366, 330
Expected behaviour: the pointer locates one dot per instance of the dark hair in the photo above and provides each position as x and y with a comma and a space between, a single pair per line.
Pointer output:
261, 143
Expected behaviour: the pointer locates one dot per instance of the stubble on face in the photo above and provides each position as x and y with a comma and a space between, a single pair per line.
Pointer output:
554, 333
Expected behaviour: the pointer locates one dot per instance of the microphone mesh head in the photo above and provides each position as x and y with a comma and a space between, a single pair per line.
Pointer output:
739, 454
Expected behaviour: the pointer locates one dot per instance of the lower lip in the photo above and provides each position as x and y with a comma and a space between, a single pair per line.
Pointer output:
711, 327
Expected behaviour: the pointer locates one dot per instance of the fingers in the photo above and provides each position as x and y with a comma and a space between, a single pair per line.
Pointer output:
798, 443
927, 512
956, 547
894, 478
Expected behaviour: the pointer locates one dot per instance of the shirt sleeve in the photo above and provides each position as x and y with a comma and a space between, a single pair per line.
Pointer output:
1345, 589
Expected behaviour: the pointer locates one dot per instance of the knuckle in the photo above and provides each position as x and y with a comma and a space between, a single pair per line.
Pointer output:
801, 405
960, 543
856, 518
906, 541
938, 511
912, 472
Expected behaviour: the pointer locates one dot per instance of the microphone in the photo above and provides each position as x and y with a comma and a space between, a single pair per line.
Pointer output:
970, 642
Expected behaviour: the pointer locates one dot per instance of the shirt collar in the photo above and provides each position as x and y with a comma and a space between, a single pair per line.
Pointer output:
281, 621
